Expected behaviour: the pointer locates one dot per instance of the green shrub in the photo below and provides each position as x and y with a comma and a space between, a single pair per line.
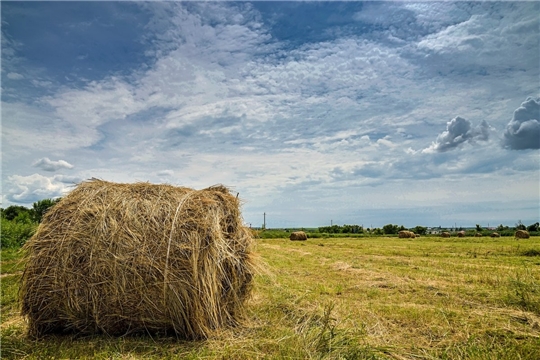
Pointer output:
15, 233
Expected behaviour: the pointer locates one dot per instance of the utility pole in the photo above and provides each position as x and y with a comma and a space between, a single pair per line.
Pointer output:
264, 223
331, 223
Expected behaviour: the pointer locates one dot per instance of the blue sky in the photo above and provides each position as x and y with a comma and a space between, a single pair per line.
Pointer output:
351, 112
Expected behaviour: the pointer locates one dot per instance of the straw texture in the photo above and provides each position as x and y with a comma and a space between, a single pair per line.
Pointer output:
122, 258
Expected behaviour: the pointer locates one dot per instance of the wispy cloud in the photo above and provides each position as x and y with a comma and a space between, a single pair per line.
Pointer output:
15, 76
50, 165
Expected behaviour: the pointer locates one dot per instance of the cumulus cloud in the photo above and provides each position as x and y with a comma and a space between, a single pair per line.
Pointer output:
50, 165
28, 189
523, 131
458, 130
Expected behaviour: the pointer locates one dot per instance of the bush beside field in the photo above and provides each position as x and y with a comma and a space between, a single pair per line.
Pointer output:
14, 234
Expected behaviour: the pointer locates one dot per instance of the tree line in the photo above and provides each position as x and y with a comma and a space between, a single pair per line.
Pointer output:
23, 214
392, 229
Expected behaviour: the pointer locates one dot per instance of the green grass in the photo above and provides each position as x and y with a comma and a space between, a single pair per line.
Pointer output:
345, 298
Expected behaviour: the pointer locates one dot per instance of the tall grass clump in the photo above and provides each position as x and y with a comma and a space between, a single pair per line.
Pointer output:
523, 291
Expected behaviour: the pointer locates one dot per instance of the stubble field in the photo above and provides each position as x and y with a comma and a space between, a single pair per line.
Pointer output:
344, 298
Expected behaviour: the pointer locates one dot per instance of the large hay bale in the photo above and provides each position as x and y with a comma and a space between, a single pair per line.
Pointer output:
493, 235
298, 235
478, 234
521, 234
445, 234
461, 234
122, 258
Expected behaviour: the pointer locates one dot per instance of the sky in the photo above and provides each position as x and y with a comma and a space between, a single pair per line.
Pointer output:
369, 113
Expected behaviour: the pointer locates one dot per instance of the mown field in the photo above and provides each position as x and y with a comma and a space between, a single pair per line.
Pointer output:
345, 298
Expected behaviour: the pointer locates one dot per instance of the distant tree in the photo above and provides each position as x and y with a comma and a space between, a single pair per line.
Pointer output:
351, 229
11, 212
41, 207
421, 230
478, 228
390, 229
520, 226
377, 231
533, 227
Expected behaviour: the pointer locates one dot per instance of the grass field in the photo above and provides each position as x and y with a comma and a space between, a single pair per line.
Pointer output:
341, 298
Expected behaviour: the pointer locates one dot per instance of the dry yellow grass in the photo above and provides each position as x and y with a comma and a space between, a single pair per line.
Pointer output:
367, 298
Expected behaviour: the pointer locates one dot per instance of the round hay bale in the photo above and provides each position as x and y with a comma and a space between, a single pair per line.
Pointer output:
461, 234
478, 234
445, 234
521, 234
123, 258
493, 235
405, 234
298, 235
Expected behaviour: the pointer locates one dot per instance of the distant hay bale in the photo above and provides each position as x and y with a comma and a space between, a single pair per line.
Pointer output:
255, 234
521, 234
495, 235
445, 234
298, 235
478, 234
461, 234
405, 234
123, 258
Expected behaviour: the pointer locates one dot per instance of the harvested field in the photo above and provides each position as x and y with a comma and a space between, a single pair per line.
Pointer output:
366, 298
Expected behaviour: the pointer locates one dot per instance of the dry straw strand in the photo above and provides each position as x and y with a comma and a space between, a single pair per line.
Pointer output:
122, 258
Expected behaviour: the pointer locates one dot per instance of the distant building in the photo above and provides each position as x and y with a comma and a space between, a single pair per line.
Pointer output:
433, 231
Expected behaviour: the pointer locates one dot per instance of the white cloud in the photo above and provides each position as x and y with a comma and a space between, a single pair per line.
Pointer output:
523, 131
487, 42
386, 142
458, 130
31, 188
15, 76
35, 127
50, 165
